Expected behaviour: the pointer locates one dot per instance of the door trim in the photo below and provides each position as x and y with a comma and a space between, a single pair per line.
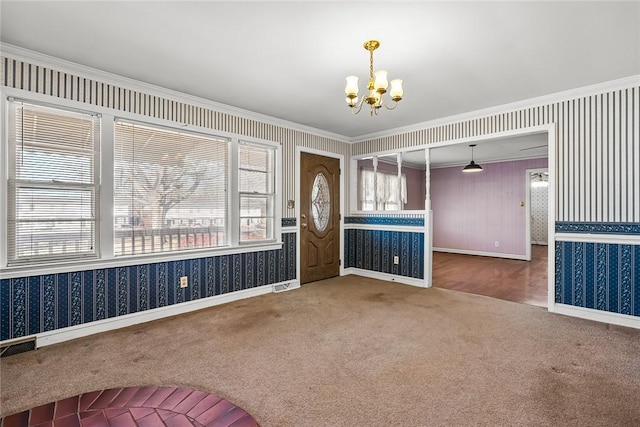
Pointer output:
527, 183
340, 157
550, 131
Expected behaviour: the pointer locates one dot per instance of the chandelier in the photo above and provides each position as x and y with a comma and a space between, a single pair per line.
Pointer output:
377, 87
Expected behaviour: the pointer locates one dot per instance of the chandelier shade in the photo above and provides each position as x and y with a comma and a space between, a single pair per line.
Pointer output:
377, 87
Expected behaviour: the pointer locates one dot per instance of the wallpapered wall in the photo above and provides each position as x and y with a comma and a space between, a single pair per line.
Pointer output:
42, 303
597, 174
597, 137
368, 247
473, 211
539, 215
34, 304
47, 81
600, 276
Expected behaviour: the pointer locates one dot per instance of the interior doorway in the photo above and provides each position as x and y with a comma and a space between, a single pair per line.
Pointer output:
538, 205
496, 256
319, 217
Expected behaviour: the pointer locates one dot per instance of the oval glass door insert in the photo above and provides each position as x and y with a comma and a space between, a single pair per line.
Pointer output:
320, 202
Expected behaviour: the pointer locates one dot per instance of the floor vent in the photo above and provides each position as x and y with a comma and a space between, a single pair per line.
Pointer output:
10, 348
281, 287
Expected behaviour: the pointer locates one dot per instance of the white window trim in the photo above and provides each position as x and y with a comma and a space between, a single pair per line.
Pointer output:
106, 258
12, 178
277, 212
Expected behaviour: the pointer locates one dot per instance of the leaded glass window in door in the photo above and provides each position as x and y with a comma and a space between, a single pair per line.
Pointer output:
320, 202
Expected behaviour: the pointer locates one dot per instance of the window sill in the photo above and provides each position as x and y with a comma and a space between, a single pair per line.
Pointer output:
125, 261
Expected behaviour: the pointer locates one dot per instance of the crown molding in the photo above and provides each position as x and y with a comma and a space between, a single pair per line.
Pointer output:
595, 89
44, 60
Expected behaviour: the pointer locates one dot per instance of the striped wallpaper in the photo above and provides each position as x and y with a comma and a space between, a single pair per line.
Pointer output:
597, 151
597, 146
34, 78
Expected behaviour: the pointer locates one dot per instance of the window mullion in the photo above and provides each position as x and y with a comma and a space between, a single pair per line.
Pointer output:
233, 223
105, 180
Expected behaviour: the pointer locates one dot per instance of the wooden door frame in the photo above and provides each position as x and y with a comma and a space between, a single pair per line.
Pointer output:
340, 157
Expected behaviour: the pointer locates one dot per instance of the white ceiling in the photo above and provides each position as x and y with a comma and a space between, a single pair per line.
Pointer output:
289, 59
492, 150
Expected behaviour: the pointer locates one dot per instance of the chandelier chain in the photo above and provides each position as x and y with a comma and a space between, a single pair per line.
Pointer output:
370, 69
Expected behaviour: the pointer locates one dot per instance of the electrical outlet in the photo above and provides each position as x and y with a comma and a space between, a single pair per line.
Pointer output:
396, 259
496, 244
184, 282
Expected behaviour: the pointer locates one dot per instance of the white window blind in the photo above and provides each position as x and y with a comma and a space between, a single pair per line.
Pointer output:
170, 190
257, 192
53, 183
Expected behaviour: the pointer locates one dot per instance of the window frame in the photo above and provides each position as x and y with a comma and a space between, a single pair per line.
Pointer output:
10, 205
270, 196
105, 215
188, 133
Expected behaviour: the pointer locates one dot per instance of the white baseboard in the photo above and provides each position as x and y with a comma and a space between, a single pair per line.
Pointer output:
73, 332
421, 283
596, 315
481, 253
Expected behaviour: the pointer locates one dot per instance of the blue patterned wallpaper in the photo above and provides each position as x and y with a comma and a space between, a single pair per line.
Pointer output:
288, 222
384, 220
29, 305
601, 276
374, 250
598, 227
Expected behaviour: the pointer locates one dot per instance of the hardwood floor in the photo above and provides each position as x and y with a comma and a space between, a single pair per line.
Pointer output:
508, 279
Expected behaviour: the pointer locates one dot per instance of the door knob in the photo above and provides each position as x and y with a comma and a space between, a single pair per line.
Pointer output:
303, 225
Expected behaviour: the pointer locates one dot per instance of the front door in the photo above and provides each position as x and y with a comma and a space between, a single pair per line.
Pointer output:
319, 217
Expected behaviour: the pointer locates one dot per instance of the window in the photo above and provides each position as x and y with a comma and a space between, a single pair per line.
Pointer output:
52, 186
170, 190
82, 187
256, 179
382, 190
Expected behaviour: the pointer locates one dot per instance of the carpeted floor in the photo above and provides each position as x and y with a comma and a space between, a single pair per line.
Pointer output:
353, 351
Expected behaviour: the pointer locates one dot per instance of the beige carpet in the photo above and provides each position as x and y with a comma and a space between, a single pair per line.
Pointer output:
353, 351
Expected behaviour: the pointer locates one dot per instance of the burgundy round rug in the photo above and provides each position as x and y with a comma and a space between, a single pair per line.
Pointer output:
135, 407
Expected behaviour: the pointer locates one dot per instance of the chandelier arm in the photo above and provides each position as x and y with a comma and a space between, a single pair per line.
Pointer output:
395, 105
355, 111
